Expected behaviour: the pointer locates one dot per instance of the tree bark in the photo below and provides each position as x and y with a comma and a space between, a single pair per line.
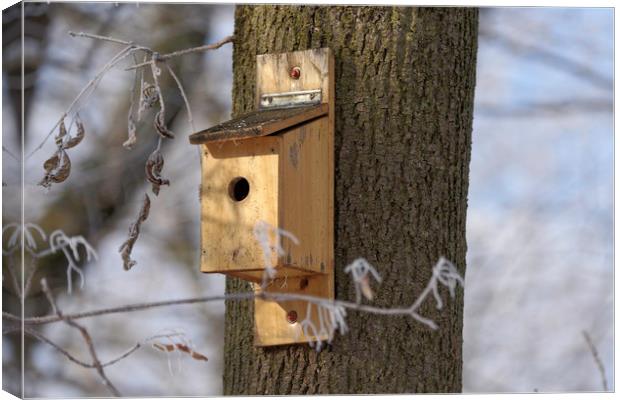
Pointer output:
405, 82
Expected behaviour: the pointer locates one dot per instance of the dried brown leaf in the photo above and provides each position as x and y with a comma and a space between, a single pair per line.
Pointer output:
149, 96
132, 138
62, 173
74, 141
160, 126
366, 289
184, 348
153, 168
62, 131
52, 163
163, 347
167, 348
57, 168
199, 357
134, 231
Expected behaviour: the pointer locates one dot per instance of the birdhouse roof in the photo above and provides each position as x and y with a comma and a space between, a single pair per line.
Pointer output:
259, 123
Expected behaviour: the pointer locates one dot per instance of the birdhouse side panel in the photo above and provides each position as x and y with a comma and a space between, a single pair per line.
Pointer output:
306, 195
239, 189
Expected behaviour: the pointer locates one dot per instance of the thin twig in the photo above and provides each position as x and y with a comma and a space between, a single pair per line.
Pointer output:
127, 308
93, 83
106, 24
141, 92
109, 39
44, 339
332, 313
13, 277
33, 270
13, 156
131, 125
135, 348
155, 70
579, 69
160, 117
85, 335
167, 56
72, 358
597, 359
275, 296
183, 94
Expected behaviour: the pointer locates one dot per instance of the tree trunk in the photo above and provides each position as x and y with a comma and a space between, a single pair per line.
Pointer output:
404, 102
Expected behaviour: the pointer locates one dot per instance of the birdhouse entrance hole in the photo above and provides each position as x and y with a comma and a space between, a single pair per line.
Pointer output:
239, 188
275, 166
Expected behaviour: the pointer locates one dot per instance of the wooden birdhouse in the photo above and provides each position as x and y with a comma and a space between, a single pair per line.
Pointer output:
274, 167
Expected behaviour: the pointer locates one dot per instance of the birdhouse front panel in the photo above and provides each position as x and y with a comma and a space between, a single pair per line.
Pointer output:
239, 188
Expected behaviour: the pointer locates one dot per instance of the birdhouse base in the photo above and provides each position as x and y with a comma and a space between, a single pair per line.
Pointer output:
256, 275
281, 322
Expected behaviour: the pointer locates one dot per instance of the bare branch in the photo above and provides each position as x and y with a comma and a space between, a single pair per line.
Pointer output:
9, 268
443, 273
127, 308
85, 335
160, 117
7, 151
105, 25
83, 93
164, 57
44, 339
34, 267
543, 109
578, 69
131, 125
597, 359
72, 358
276, 296
185, 99
110, 39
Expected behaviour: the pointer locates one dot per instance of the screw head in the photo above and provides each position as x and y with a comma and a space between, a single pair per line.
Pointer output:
291, 317
295, 72
303, 283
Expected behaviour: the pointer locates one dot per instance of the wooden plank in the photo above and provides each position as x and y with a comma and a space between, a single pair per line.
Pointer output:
227, 227
305, 195
259, 123
273, 73
271, 327
283, 272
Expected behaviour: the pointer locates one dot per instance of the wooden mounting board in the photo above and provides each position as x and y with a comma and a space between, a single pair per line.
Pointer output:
271, 326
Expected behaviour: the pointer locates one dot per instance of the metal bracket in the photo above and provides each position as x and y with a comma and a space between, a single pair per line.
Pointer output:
290, 99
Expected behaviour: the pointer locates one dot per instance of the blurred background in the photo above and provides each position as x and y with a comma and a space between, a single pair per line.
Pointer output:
540, 215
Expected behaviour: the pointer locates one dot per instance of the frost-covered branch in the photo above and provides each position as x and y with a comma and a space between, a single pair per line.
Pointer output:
597, 359
58, 242
84, 93
85, 335
270, 240
164, 57
58, 167
444, 273
360, 270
